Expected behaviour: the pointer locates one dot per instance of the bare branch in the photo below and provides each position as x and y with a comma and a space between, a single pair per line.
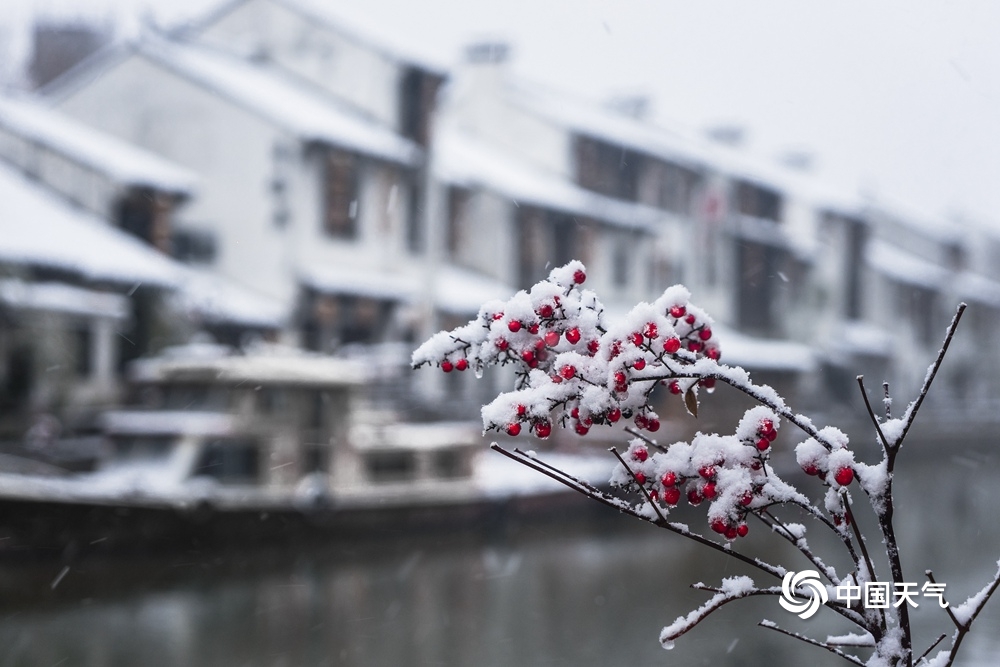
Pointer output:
951, 614
871, 413
911, 411
649, 441
776, 525
930, 648
722, 597
832, 649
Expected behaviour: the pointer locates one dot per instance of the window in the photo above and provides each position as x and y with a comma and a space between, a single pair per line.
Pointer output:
390, 466
458, 208
608, 169
145, 214
758, 269
417, 98
547, 239
758, 201
415, 235
230, 460
83, 341
856, 239
193, 246
340, 180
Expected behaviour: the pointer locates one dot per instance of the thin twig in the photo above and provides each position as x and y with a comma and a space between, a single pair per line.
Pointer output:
642, 487
911, 412
871, 413
582, 482
776, 525
930, 648
951, 614
645, 438
832, 649
887, 401
857, 533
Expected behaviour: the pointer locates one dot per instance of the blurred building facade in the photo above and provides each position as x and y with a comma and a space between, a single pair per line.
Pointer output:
324, 188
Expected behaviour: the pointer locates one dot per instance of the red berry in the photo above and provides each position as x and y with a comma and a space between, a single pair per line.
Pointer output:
640, 478
719, 525
746, 499
640, 453
844, 476
528, 356
771, 435
709, 491
501, 344
640, 421
708, 472
708, 383
543, 429
650, 330
731, 533
514, 326
675, 388
579, 276
575, 413
614, 415
705, 333
677, 312
669, 478
521, 410
742, 530
513, 429
763, 444
672, 344
713, 353
581, 429
653, 424
568, 372
545, 311
497, 316
636, 338
755, 464
765, 425
654, 494
690, 319
447, 366
551, 338
461, 364
694, 497
556, 379
539, 346
694, 346
573, 336
810, 469
593, 346
639, 364
533, 329
620, 378
671, 495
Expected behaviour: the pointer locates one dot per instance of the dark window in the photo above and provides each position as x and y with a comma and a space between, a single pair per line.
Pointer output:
193, 246
340, 194
546, 239
677, 186
18, 378
229, 460
458, 207
417, 95
390, 466
448, 464
758, 202
415, 237
621, 262
758, 269
608, 169
856, 238
82, 357
331, 320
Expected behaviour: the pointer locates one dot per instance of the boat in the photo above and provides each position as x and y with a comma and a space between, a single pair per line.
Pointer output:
219, 447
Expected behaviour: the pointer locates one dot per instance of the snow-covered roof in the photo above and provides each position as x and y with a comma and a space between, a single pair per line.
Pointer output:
903, 266
859, 337
120, 161
279, 99
763, 354
336, 279
430, 436
462, 159
62, 298
259, 365
38, 229
973, 287
167, 422
463, 292
216, 299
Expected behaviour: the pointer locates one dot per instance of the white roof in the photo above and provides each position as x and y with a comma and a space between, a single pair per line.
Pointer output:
463, 292
38, 229
764, 354
338, 279
168, 422
259, 365
429, 436
973, 287
462, 159
903, 266
265, 92
860, 337
122, 162
216, 299
62, 298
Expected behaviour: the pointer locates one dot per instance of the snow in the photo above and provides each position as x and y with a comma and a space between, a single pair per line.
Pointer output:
498, 476
462, 159
216, 299
432, 436
333, 279
120, 161
463, 292
280, 100
851, 639
732, 588
964, 612
858, 337
763, 354
36, 229
904, 266
62, 298
168, 422
971, 287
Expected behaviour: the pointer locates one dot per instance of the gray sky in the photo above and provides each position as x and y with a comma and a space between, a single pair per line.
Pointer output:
900, 96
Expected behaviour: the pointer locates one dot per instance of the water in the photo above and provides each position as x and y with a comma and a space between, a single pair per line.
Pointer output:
595, 595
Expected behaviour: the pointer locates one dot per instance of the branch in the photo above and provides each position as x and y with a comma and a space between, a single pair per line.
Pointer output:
645, 438
722, 597
911, 412
777, 526
846, 656
871, 413
964, 628
929, 649
642, 487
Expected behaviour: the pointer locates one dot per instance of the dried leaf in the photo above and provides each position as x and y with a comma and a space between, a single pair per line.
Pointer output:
691, 402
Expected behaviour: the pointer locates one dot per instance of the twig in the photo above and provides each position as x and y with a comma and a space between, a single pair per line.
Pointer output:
775, 524
887, 400
645, 438
930, 648
911, 412
832, 649
642, 487
951, 614
871, 413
